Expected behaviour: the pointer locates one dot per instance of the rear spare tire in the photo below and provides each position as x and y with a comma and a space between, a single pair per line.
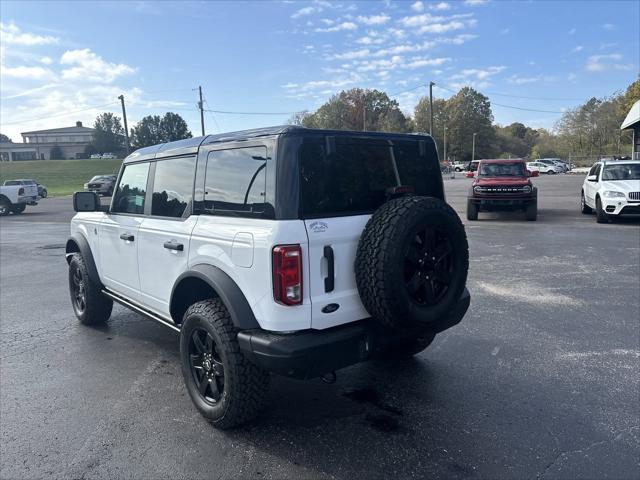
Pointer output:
412, 261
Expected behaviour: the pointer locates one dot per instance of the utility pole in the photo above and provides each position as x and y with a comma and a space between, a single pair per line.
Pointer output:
364, 114
431, 84
200, 106
473, 148
126, 128
444, 142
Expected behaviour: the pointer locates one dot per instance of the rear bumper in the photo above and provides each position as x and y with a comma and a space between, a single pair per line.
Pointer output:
312, 353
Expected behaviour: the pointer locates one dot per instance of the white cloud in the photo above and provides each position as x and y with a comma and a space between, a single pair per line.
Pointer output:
427, 23
327, 21
517, 80
370, 40
441, 27
374, 19
475, 2
27, 73
417, 6
84, 64
577, 49
46, 60
609, 26
305, 11
426, 62
440, 6
601, 63
338, 28
10, 33
477, 77
351, 55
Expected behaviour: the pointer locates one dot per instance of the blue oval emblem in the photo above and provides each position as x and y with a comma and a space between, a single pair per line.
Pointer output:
332, 307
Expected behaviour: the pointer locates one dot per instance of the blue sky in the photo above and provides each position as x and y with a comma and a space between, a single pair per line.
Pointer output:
284, 56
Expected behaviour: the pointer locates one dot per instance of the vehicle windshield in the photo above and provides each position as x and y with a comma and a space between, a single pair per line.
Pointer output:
502, 170
12, 182
625, 171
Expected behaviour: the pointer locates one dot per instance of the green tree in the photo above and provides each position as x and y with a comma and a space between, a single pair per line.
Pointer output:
4, 138
108, 135
147, 132
174, 127
56, 153
359, 109
422, 119
630, 96
469, 112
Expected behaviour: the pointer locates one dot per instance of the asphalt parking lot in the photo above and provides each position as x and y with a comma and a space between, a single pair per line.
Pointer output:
540, 380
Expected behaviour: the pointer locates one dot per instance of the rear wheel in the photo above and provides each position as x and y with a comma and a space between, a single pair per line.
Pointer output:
226, 388
601, 215
551, 172
44, 193
18, 208
584, 208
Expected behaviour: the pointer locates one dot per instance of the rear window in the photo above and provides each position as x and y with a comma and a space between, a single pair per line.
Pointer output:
355, 178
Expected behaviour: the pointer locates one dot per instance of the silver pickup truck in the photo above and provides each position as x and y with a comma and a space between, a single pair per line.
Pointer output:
15, 198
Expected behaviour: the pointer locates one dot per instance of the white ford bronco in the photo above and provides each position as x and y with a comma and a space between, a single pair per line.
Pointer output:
282, 250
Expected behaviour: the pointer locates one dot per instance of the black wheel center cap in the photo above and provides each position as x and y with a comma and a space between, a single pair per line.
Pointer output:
207, 365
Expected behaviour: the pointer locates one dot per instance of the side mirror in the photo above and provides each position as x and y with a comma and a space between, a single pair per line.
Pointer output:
592, 178
86, 202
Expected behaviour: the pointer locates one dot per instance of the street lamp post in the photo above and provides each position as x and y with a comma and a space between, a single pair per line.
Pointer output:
473, 148
444, 143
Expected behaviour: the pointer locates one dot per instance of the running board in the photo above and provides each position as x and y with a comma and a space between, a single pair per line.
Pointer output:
130, 304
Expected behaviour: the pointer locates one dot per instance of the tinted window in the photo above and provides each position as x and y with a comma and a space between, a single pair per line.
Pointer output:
356, 178
502, 170
625, 171
236, 180
12, 182
173, 187
131, 191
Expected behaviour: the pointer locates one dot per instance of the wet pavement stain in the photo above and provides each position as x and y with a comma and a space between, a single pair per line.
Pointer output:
372, 397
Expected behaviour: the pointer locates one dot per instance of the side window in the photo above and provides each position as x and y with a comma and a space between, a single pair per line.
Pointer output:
593, 170
597, 172
131, 191
235, 180
173, 187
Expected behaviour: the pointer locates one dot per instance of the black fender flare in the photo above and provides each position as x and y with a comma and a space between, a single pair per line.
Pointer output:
78, 244
228, 291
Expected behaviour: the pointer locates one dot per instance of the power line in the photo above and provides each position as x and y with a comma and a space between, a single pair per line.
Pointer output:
526, 109
516, 96
251, 113
60, 114
213, 117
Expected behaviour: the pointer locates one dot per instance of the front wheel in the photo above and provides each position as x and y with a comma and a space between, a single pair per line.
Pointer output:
531, 213
89, 304
584, 208
472, 210
601, 215
18, 208
550, 172
226, 388
5, 208
44, 193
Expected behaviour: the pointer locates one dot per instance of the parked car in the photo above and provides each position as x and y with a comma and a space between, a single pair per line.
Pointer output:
544, 167
102, 184
96, 155
554, 161
611, 188
108, 155
42, 190
297, 252
15, 196
459, 166
502, 185
472, 166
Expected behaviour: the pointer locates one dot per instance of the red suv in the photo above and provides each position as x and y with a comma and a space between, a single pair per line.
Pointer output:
502, 185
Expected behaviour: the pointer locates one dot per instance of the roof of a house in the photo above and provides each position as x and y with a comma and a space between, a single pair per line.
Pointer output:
633, 117
73, 129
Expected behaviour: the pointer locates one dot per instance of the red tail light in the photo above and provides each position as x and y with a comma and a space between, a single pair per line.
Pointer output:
287, 274
21, 191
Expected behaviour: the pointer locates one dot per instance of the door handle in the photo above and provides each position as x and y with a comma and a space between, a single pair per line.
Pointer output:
127, 237
329, 280
174, 246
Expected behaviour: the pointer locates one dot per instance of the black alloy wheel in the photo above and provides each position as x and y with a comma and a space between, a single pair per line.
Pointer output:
78, 290
428, 266
206, 366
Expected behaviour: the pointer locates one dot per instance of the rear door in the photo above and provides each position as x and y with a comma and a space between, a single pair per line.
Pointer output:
343, 181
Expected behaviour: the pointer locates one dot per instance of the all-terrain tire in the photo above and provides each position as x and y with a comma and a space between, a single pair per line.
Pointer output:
472, 210
44, 193
601, 215
89, 304
18, 208
531, 212
245, 384
584, 208
412, 261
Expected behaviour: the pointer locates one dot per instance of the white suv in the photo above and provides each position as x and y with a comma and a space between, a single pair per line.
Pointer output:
611, 188
283, 250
